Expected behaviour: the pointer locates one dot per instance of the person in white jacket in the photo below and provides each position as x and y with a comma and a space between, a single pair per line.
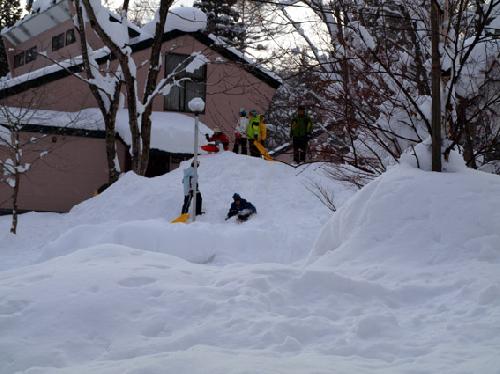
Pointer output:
240, 133
188, 183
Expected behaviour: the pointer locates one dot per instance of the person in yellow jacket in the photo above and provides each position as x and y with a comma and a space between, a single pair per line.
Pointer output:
254, 132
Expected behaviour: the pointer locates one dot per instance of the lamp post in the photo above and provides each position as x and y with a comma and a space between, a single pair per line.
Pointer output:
196, 105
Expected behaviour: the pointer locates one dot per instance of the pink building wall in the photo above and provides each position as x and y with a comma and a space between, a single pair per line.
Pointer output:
73, 169
229, 87
43, 42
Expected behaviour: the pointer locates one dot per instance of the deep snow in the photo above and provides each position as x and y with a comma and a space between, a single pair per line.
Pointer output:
403, 278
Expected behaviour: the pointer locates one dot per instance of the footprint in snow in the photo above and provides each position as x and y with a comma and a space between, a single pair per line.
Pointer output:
136, 281
10, 307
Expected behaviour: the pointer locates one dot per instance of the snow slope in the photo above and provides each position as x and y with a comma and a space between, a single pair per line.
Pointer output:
402, 279
136, 212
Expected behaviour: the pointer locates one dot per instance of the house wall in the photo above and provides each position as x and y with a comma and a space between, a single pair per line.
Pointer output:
71, 172
43, 42
229, 88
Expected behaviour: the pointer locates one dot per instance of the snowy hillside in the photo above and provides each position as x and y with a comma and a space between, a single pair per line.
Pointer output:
402, 279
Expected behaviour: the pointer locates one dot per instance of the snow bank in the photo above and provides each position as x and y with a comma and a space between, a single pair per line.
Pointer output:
402, 279
410, 223
278, 233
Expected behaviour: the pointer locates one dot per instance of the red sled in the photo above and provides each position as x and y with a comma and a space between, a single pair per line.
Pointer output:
212, 148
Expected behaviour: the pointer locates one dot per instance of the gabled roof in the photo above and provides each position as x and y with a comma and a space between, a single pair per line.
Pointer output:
51, 73
46, 16
35, 23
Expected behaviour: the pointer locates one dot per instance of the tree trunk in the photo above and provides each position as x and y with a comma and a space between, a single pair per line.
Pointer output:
15, 193
111, 150
15, 190
109, 117
154, 70
436, 89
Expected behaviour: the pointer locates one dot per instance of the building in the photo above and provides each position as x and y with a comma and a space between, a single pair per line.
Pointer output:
43, 55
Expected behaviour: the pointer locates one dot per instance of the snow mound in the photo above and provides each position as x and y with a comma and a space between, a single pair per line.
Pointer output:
410, 221
136, 212
403, 279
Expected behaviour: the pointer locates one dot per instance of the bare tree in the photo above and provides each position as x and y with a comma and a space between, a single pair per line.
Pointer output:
372, 65
20, 150
115, 36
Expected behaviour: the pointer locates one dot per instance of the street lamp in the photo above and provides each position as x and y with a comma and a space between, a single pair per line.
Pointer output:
196, 106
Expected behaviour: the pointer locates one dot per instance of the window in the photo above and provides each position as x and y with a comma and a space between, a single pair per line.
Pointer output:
70, 37
19, 59
57, 42
179, 97
31, 54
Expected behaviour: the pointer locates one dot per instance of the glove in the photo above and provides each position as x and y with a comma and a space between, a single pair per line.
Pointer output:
256, 137
206, 136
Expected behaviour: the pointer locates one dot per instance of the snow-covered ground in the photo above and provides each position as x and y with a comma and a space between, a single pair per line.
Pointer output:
403, 278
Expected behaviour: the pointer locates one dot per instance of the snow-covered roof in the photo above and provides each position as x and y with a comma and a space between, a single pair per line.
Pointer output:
188, 19
183, 20
45, 14
170, 132
46, 70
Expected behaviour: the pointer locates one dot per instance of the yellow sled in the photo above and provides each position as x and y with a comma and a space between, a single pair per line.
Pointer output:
262, 150
183, 218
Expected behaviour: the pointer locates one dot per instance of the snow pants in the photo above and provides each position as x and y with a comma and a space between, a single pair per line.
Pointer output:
187, 202
240, 144
299, 148
254, 151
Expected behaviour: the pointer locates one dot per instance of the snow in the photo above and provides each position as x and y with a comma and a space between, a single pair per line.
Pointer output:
188, 19
403, 278
196, 105
86, 119
61, 65
420, 156
40, 6
116, 31
170, 132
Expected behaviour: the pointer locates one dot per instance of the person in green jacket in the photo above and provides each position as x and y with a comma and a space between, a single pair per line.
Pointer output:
300, 132
253, 132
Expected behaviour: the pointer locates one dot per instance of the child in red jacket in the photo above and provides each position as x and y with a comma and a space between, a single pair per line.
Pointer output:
221, 141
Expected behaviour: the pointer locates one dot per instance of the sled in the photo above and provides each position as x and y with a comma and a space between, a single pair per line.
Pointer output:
262, 150
212, 148
183, 218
